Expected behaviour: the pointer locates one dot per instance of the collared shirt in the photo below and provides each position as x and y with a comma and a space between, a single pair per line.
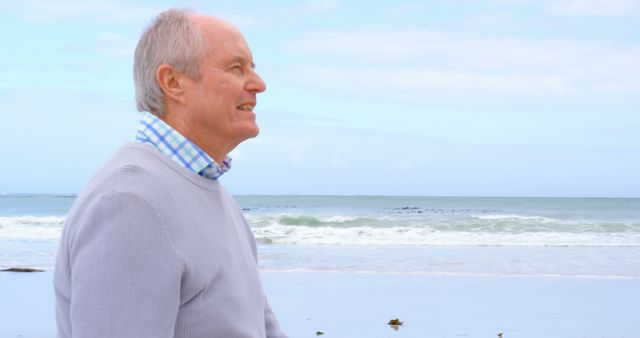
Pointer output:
172, 144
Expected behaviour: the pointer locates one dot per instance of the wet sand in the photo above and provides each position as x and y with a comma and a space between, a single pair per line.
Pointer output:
344, 305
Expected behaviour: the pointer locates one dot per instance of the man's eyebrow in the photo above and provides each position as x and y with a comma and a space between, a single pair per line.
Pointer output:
241, 60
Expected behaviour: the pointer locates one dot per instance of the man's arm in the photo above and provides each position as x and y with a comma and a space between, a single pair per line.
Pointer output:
125, 272
272, 327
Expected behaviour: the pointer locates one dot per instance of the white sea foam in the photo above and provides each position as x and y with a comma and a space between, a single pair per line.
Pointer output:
310, 219
425, 236
339, 219
351, 230
512, 217
31, 227
449, 274
586, 238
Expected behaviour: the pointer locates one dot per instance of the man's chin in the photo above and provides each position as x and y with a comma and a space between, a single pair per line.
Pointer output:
256, 132
250, 132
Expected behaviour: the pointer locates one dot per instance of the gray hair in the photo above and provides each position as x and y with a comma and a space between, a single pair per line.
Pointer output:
172, 38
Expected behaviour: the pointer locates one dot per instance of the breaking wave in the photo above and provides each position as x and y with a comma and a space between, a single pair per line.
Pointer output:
422, 236
31, 227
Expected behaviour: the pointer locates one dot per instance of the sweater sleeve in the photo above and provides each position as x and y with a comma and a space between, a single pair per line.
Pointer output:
125, 272
272, 327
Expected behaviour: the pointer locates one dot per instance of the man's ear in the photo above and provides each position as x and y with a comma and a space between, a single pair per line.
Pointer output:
171, 83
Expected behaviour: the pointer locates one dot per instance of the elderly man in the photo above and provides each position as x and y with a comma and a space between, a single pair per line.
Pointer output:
154, 246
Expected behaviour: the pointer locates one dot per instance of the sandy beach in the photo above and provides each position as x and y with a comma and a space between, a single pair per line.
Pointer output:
361, 304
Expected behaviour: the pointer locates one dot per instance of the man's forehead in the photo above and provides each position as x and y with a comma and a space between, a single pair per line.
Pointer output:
225, 40
214, 26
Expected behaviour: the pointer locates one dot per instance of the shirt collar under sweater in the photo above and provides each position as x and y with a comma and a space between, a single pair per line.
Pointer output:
172, 144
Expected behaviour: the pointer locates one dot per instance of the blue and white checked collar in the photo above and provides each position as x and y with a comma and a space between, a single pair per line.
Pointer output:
172, 144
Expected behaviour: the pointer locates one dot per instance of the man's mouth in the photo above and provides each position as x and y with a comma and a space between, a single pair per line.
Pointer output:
247, 107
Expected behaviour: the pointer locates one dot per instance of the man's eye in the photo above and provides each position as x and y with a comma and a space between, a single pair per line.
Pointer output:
237, 68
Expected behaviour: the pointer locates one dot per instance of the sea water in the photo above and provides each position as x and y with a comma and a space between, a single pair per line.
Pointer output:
574, 237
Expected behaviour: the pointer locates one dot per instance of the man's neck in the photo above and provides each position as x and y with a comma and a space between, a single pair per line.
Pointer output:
211, 145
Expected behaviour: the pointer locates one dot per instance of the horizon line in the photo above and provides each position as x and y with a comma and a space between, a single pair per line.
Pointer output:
24, 195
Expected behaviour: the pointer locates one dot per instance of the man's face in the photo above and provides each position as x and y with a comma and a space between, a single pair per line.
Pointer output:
220, 105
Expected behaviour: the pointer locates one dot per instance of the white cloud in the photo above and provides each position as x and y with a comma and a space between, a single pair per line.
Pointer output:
85, 10
594, 7
115, 44
420, 83
318, 7
420, 60
509, 2
408, 8
396, 46
269, 15
299, 11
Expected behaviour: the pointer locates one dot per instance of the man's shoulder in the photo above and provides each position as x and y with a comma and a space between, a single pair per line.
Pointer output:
132, 165
140, 169
133, 169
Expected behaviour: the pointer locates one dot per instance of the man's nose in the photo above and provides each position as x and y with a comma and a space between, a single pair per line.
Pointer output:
256, 84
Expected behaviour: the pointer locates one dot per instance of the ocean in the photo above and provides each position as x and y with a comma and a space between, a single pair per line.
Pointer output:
476, 236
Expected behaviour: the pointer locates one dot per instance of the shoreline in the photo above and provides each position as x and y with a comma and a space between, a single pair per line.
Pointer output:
454, 306
451, 274
8, 270
347, 304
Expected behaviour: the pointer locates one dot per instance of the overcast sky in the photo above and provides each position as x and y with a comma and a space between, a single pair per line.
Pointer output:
465, 98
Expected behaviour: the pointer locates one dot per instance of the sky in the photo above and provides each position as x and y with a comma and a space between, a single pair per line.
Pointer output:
430, 98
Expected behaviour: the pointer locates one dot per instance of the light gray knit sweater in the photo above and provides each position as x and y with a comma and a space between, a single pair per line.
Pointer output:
153, 250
